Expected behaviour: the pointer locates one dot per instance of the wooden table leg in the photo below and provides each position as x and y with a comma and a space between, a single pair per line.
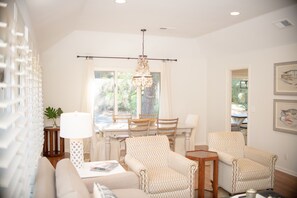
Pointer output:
51, 144
45, 147
215, 178
107, 147
201, 178
61, 146
187, 141
56, 142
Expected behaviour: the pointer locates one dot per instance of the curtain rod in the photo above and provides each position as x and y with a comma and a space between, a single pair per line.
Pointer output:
118, 57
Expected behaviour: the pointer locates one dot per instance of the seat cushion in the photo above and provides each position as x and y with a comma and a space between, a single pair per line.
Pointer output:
165, 179
251, 170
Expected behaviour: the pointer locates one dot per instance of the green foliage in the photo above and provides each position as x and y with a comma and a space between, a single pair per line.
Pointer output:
239, 95
52, 113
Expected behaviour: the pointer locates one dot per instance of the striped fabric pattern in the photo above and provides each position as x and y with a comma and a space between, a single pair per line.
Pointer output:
241, 167
162, 173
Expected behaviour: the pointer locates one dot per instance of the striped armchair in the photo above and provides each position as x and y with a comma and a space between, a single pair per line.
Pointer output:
241, 167
162, 172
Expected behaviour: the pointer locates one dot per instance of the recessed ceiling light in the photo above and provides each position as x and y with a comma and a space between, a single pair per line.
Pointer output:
234, 13
120, 1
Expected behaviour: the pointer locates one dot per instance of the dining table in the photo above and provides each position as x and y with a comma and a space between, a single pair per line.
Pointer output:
238, 119
121, 130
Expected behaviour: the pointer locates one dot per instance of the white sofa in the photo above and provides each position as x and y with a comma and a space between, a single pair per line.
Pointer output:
64, 182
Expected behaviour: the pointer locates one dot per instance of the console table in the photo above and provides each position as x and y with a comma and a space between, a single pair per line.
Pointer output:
202, 156
51, 148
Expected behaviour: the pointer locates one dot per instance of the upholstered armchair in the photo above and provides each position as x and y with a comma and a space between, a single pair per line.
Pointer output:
162, 172
241, 167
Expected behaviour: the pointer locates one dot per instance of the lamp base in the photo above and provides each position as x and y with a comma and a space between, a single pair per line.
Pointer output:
77, 152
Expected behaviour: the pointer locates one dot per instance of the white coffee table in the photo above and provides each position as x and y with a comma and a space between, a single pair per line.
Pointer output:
244, 195
85, 171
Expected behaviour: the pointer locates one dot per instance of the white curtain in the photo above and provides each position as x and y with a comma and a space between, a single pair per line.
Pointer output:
86, 104
87, 97
165, 98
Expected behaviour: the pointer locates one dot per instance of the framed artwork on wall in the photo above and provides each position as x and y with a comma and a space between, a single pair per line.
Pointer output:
285, 78
285, 116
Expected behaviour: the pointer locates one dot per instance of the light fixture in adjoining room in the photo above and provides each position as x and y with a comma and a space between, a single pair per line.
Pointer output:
120, 1
142, 77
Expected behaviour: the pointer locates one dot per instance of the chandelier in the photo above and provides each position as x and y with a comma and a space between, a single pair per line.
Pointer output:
142, 77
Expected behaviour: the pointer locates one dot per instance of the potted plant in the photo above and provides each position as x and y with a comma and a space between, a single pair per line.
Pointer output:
53, 114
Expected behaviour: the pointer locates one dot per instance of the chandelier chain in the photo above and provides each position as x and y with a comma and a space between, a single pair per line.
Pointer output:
143, 30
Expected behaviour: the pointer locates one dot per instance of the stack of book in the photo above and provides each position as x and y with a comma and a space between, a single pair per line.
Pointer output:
104, 166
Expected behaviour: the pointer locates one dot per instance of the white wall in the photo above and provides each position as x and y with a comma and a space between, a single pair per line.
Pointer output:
257, 45
63, 72
198, 78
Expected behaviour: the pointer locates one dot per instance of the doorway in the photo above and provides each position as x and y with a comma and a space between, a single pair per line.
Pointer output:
239, 101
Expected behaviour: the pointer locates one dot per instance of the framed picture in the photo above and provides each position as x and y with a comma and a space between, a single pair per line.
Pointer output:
285, 78
285, 116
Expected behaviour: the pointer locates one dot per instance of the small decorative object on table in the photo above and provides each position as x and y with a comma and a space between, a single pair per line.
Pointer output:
104, 166
251, 193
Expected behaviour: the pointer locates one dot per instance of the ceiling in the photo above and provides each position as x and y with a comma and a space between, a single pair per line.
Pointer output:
54, 19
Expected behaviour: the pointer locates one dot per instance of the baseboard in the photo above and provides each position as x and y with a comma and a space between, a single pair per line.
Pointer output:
289, 172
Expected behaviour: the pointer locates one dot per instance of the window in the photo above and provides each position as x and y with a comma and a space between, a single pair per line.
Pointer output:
115, 93
240, 93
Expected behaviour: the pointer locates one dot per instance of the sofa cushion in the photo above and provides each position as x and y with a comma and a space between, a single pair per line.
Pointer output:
45, 180
127, 179
251, 170
166, 179
101, 191
68, 182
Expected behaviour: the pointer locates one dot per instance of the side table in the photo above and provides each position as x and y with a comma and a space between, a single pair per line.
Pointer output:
85, 171
51, 139
202, 156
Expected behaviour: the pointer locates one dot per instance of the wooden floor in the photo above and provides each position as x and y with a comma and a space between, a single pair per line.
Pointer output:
285, 185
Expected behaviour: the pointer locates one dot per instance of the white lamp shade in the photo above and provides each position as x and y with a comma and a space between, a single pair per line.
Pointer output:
76, 125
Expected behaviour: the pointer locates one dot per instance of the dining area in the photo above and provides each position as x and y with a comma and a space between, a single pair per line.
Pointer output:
108, 141
239, 122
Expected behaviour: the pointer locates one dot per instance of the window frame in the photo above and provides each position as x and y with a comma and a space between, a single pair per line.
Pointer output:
138, 90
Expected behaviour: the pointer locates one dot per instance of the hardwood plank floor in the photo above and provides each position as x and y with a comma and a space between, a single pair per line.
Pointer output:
285, 184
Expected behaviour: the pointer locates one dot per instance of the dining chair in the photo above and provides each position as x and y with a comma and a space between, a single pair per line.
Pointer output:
153, 118
168, 127
121, 117
138, 127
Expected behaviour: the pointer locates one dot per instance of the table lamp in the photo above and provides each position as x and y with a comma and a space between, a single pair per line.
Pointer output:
76, 126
